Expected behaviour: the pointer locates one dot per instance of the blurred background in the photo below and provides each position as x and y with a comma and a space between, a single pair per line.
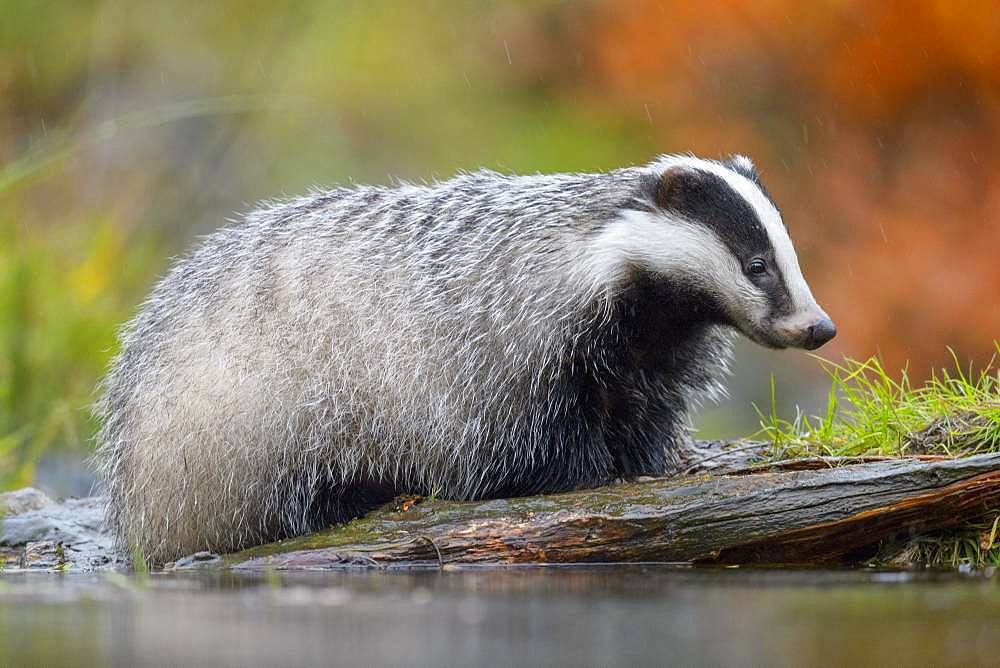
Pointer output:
127, 129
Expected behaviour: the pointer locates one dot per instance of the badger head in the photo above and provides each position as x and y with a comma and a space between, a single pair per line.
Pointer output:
710, 229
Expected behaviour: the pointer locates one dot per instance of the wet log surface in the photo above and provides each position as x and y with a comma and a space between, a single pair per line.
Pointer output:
802, 512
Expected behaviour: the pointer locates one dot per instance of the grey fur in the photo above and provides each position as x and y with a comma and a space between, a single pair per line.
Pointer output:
335, 349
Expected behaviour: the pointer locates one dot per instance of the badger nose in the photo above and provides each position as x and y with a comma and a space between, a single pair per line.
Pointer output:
820, 332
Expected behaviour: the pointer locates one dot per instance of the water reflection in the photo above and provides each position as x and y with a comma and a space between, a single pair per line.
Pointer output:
552, 616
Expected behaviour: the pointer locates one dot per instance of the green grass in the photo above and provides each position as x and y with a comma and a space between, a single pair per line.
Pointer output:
973, 546
871, 413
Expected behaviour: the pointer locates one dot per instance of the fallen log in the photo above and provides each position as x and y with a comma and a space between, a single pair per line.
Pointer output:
805, 512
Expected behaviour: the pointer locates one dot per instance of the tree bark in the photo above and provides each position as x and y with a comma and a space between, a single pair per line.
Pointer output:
802, 512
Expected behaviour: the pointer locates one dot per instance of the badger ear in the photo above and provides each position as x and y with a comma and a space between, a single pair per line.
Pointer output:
673, 185
679, 185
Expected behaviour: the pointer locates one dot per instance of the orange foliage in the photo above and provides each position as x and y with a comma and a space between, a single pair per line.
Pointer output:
877, 126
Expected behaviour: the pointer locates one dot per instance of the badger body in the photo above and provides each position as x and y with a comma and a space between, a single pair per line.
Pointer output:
485, 336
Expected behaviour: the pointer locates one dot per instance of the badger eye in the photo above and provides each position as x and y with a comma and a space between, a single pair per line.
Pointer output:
757, 266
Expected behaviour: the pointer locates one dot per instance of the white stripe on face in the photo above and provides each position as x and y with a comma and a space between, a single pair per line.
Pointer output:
785, 257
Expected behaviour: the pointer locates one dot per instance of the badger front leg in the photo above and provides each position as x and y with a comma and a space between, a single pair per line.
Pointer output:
686, 455
681, 454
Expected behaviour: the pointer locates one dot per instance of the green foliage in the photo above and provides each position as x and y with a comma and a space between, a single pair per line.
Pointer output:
63, 292
869, 412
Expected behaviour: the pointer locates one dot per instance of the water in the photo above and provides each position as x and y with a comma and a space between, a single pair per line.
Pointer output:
635, 615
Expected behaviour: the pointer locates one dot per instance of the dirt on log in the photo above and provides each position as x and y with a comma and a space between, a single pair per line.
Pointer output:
805, 512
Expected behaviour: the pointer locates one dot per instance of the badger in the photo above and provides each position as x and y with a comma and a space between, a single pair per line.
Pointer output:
486, 336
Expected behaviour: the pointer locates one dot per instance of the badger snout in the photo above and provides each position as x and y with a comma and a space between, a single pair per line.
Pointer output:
819, 333
808, 330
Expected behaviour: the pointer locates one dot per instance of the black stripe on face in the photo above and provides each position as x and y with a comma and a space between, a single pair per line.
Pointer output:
705, 198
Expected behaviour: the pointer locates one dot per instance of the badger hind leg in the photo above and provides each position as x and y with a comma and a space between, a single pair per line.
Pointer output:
337, 503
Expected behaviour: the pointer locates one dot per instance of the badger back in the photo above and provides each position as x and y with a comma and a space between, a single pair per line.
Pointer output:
409, 334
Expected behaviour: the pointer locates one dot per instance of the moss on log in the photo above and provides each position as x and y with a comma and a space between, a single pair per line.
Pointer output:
806, 512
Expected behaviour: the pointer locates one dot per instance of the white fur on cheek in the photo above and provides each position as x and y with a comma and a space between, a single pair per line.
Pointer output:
673, 247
